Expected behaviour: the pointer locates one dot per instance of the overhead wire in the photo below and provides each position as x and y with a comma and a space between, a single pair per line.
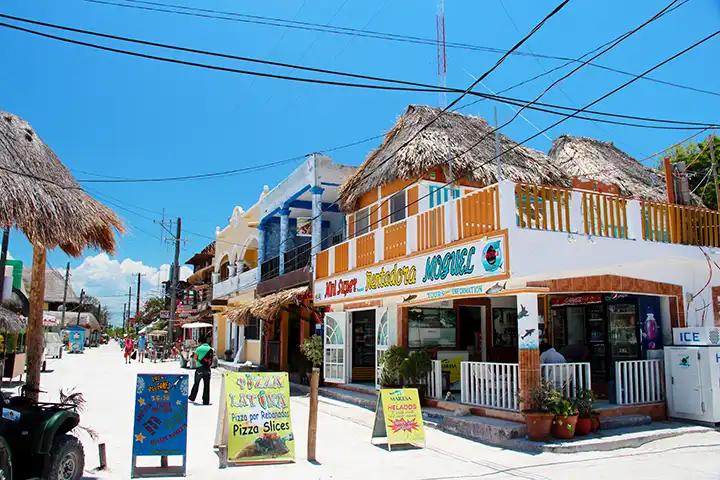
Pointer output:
275, 22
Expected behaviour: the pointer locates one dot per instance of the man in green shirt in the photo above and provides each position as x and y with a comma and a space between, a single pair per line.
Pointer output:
203, 358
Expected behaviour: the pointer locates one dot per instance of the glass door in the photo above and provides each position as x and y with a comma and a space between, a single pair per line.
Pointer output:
335, 350
623, 331
382, 340
597, 342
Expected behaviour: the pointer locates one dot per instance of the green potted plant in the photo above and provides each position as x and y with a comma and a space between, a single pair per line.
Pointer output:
566, 417
584, 404
391, 375
538, 416
415, 370
312, 348
228, 355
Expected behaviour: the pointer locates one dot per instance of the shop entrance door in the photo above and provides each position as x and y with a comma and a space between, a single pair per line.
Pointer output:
362, 339
335, 351
382, 339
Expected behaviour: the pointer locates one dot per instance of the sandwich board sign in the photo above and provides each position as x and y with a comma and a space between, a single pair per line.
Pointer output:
398, 417
254, 421
160, 423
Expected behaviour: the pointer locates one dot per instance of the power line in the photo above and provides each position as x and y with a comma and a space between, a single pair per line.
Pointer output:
276, 22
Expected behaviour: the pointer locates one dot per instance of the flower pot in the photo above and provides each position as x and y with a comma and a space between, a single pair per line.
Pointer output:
563, 428
584, 426
538, 425
595, 420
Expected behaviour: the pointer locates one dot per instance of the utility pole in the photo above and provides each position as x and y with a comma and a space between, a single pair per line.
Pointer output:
174, 281
714, 170
129, 304
124, 327
82, 297
497, 147
3, 260
64, 304
137, 308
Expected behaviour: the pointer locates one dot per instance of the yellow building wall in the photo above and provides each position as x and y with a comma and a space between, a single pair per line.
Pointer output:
252, 351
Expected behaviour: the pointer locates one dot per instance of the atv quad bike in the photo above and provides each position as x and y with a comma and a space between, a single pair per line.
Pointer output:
41, 445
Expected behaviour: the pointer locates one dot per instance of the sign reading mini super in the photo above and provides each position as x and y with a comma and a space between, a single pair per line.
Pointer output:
473, 260
398, 417
259, 424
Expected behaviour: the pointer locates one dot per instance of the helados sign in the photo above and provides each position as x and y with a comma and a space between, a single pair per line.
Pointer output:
473, 260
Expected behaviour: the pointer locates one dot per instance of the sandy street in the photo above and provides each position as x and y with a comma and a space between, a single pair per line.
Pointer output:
344, 448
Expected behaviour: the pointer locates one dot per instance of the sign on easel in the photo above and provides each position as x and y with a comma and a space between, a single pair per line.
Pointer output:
254, 423
398, 418
160, 423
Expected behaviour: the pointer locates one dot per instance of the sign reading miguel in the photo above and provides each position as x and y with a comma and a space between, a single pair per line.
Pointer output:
475, 260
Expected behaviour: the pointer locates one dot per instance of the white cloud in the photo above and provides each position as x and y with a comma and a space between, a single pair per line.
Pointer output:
109, 279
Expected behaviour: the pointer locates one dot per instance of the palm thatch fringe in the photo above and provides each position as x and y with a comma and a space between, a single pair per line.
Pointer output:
603, 161
266, 308
201, 276
450, 135
41, 197
11, 322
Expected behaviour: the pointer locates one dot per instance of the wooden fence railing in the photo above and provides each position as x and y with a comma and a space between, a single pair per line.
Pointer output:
477, 213
681, 224
395, 240
365, 250
431, 228
543, 208
605, 215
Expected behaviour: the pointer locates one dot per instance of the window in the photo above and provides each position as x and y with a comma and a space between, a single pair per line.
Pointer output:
397, 207
362, 221
504, 327
432, 327
252, 329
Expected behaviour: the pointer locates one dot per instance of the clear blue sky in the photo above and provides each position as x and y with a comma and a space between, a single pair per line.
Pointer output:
130, 117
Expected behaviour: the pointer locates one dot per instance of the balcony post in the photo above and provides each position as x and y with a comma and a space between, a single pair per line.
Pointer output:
261, 250
411, 235
232, 269
316, 238
508, 205
379, 244
635, 220
528, 346
577, 221
215, 277
284, 236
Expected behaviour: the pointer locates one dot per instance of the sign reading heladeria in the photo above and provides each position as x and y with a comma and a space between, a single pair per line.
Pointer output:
473, 260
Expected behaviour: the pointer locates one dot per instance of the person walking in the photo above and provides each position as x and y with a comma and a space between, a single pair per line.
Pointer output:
128, 349
203, 358
142, 345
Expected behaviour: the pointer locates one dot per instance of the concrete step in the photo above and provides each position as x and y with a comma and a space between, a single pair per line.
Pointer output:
624, 421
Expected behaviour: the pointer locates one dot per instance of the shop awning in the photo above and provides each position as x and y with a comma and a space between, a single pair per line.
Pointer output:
197, 325
201, 276
266, 308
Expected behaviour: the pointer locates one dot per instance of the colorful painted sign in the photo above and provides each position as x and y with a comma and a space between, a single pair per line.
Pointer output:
474, 260
527, 321
76, 337
398, 417
575, 300
304, 227
259, 421
161, 403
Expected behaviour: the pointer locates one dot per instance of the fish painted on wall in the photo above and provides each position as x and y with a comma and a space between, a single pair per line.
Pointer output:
527, 333
523, 312
497, 288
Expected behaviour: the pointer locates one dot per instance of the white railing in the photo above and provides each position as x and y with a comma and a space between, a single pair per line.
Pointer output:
434, 380
639, 381
236, 283
488, 384
568, 378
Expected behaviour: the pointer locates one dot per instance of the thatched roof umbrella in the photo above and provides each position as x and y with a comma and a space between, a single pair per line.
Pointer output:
39, 196
11, 322
603, 161
449, 136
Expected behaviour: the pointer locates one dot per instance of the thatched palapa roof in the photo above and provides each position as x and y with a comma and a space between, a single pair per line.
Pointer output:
11, 322
265, 308
603, 161
449, 136
87, 319
41, 197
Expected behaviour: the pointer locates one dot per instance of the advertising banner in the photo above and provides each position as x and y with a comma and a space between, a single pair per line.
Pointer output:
398, 417
258, 415
76, 336
304, 227
482, 260
161, 403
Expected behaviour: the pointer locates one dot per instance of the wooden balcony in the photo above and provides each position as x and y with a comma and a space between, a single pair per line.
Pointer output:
525, 206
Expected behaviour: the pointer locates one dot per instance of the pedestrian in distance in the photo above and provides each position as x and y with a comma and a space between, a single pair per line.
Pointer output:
203, 358
141, 346
128, 349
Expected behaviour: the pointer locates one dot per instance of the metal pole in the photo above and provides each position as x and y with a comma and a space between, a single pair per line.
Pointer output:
64, 304
174, 281
714, 170
497, 147
129, 304
124, 326
3, 260
82, 296
137, 308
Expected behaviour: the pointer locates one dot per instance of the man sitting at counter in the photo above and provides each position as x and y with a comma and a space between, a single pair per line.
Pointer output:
550, 355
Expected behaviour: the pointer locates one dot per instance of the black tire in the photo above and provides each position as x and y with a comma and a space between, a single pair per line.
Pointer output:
5, 461
67, 460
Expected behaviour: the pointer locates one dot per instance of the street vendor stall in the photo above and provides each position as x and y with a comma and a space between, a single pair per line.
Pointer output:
12, 338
